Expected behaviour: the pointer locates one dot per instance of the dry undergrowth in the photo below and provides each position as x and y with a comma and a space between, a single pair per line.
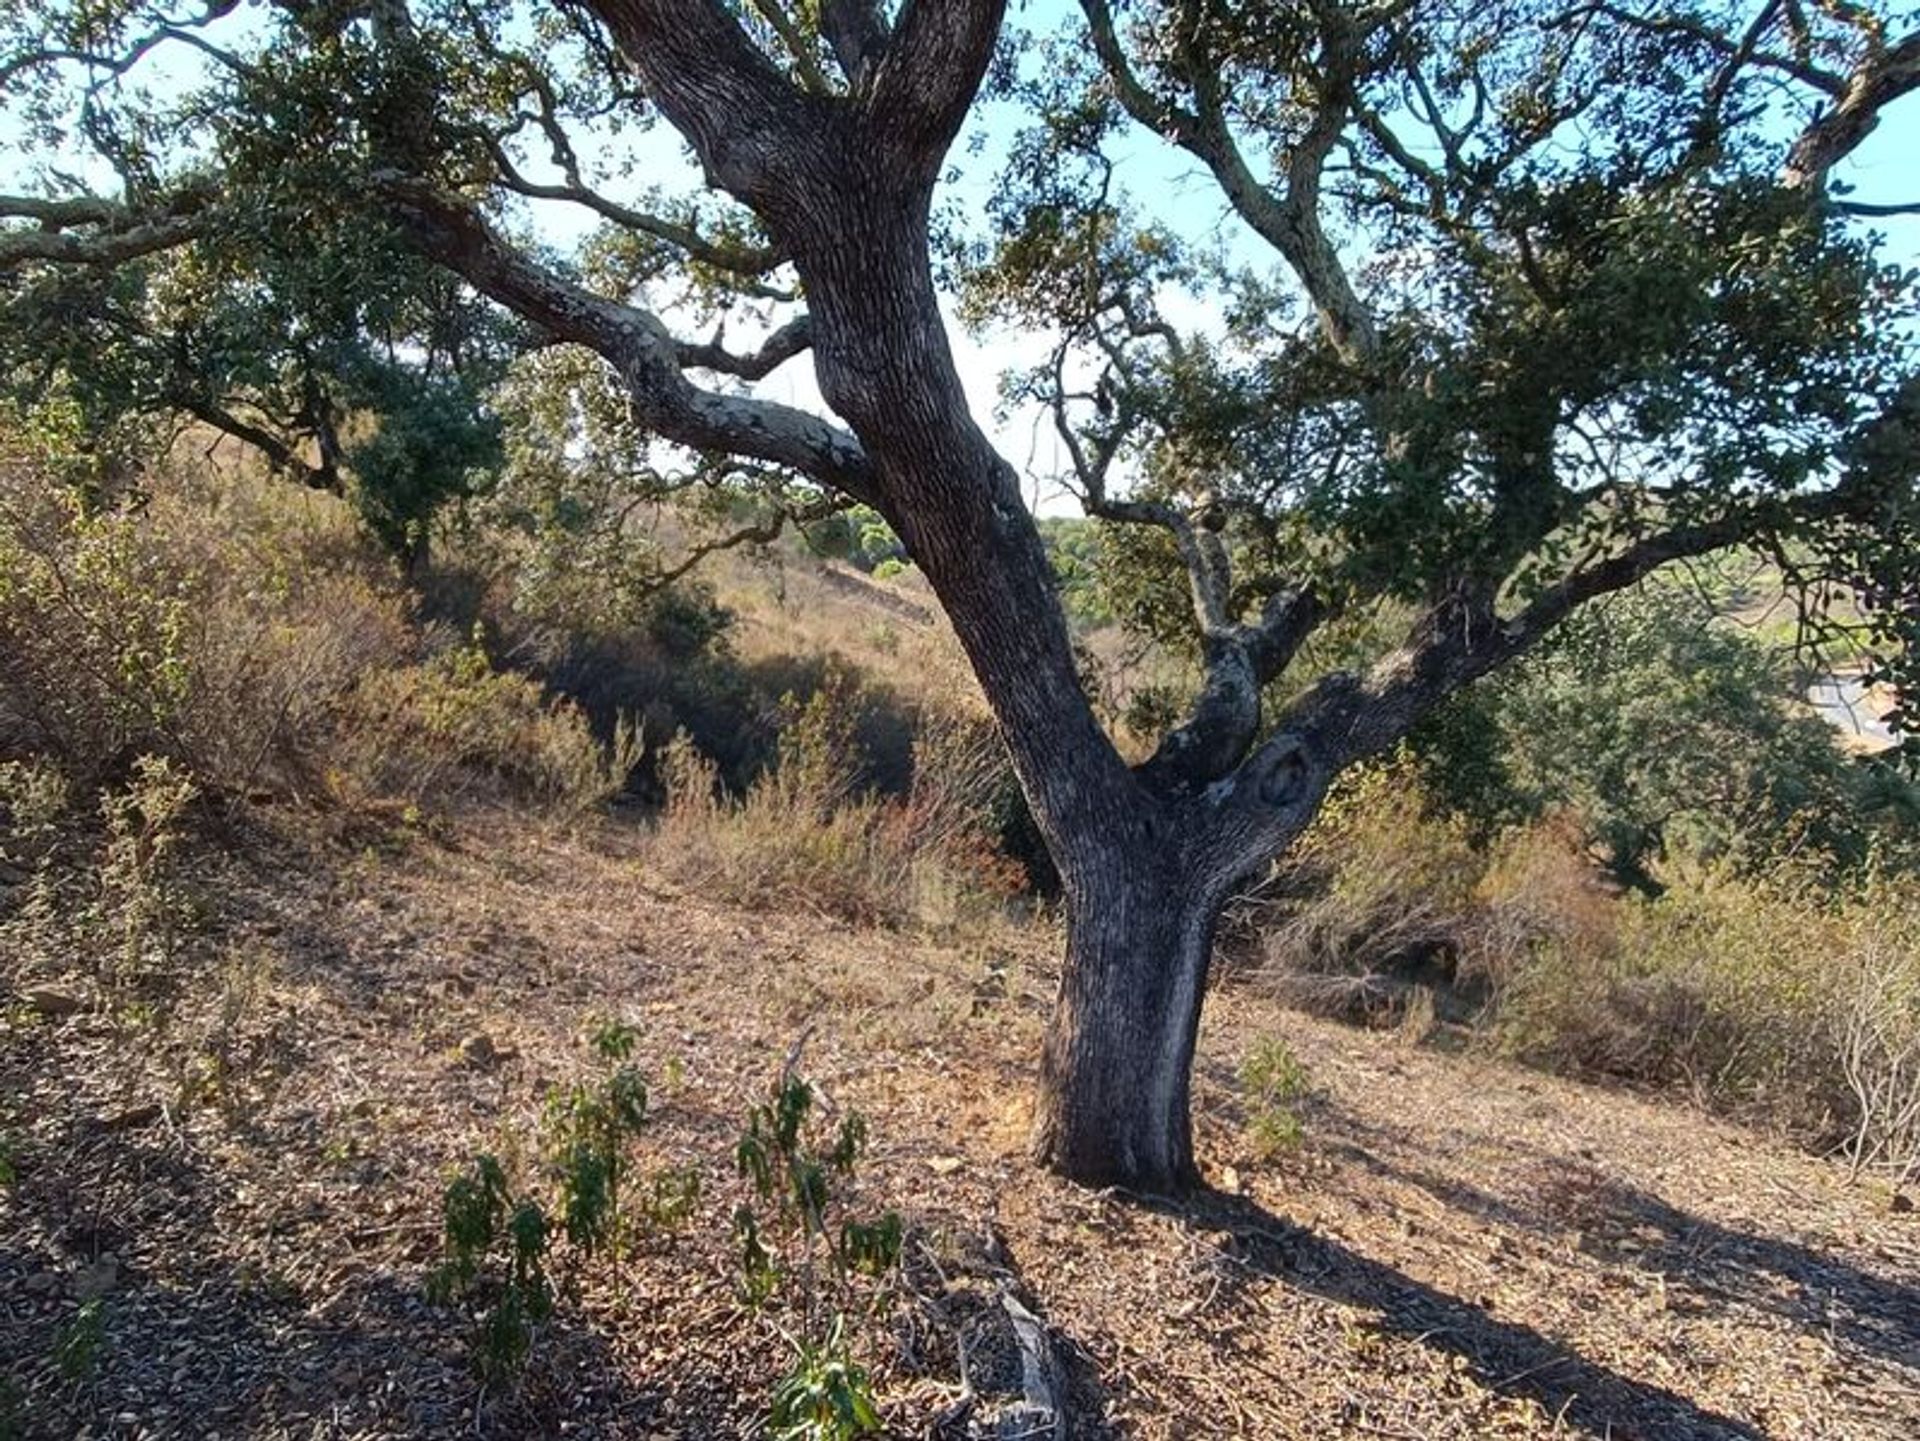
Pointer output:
243, 1171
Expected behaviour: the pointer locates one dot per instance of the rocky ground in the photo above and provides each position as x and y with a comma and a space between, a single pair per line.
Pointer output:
226, 1182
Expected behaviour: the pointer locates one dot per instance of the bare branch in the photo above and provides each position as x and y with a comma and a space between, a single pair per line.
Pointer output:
1883, 76
107, 247
789, 340
1287, 218
634, 341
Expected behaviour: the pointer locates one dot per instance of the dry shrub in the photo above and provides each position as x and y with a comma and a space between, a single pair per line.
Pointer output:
451, 725
1772, 999
250, 634
1541, 890
806, 834
1376, 898
1877, 1025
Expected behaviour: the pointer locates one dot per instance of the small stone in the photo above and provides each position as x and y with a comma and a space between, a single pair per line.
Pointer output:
132, 1118
479, 1050
945, 1165
1902, 1203
52, 1002
42, 1283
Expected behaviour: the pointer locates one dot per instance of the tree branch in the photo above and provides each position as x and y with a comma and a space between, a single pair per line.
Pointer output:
634, 341
789, 340
928, 75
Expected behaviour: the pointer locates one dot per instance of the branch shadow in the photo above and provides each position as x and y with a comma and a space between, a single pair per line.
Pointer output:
1504, 1356
1624, 1225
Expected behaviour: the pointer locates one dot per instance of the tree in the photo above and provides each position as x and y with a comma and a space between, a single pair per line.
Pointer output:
1562, 366
1676, 734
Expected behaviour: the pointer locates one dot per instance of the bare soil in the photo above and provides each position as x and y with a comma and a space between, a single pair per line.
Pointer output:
243, 1164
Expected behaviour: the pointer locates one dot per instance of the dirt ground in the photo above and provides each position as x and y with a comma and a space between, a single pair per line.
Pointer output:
243, 1168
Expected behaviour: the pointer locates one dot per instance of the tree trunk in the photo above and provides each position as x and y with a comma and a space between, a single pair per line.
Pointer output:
1115, 1075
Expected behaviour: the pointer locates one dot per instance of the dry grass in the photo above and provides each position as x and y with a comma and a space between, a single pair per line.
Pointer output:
248, 633
807, 835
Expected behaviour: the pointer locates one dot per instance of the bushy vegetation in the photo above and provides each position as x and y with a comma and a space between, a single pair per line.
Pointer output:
257, 640
809, 834
1766, 989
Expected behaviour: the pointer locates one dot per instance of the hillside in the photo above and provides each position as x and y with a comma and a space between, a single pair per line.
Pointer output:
1454, 1249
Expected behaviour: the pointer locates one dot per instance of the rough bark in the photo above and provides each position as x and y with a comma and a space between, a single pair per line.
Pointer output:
1115, 1072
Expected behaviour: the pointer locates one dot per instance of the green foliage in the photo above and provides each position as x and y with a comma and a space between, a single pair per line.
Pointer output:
826, 1396
797, 1175
588, 1128
1275, 1082
1674, 734
500, 1245
496, 1253
81, 1340
860, 536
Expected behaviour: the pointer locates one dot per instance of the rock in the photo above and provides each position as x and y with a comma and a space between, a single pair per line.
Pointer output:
132, 1118
52, 1002
479, 1050
945, 1165
1902, 1203
42, 1283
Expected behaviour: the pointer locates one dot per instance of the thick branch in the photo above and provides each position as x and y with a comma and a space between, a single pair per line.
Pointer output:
752, 130
928, 75
789, 340
1885, 75
648, 358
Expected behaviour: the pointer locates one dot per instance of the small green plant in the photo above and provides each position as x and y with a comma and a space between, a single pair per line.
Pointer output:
500, 1243
1275, 1082
670, 1198
809, 1243
78, 1345
496, 1254
826, 1396
588, 1127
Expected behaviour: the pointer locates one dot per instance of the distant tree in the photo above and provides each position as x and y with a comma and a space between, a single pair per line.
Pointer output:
1601, 310
1675, 734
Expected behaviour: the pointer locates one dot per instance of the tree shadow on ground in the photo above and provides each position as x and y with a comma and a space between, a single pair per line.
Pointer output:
1504, 1356
1575, 1200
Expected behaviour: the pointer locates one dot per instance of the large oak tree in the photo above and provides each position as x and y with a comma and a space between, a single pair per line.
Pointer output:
1564, 293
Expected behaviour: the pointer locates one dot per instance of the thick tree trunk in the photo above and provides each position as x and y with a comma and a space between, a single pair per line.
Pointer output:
1115, 1076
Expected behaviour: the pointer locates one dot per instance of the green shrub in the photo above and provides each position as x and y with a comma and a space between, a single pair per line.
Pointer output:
1275, 1083
806, 1243
500, 1241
